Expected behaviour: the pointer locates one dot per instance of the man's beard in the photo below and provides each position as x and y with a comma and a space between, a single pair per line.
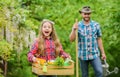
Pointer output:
86, 19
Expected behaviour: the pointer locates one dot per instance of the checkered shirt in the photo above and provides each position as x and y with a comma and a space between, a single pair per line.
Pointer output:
87, 40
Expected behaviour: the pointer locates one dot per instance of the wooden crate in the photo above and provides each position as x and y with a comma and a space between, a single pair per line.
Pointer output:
53, 70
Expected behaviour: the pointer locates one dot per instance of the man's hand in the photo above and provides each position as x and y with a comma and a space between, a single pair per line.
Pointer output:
103, 56
75, 25
73, 32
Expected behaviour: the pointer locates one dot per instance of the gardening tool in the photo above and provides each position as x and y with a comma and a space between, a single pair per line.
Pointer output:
77, 74
106, 71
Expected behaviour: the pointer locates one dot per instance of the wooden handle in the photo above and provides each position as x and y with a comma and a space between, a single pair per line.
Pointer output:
77, 74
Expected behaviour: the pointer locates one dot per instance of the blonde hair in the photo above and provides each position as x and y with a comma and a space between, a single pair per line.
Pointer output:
53, 35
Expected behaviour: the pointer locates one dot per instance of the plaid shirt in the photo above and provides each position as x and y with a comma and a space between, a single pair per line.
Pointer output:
87, 40
49, 51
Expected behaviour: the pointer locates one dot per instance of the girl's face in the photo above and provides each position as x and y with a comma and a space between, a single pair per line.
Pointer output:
47, 29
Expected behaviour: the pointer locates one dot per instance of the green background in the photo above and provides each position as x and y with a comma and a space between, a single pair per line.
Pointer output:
63, 13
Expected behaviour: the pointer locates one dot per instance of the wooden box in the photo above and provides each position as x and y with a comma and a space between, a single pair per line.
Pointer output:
53, 70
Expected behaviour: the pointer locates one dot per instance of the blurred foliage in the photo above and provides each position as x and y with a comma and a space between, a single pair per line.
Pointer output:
1, 75
22, 68
30, 13
5, 50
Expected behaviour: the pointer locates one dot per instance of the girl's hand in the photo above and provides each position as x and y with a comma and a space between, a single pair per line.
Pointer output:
69, 57
64, 57
34, 59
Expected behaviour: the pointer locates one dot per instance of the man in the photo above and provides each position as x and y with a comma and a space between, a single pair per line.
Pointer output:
89, 43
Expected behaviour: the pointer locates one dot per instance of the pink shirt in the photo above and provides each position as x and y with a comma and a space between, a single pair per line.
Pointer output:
49, 51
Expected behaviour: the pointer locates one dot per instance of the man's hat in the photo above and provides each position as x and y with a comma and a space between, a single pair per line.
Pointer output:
85, 9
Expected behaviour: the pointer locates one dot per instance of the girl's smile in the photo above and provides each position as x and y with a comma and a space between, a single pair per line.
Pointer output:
47, 29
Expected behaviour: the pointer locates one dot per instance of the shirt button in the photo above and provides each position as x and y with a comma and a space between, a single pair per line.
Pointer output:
88, 45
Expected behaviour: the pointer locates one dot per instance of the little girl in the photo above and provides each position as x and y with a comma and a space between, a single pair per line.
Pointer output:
47, 45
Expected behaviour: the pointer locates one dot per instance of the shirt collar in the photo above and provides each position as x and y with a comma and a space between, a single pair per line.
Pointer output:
89, 23
47, 38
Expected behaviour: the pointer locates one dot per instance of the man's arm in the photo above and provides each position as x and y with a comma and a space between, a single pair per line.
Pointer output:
72, 35
100, 45
73, 32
